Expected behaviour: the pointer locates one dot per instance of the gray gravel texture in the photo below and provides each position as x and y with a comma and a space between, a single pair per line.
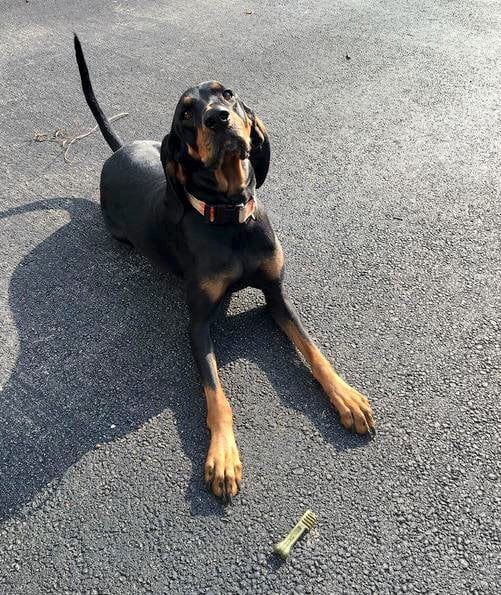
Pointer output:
385, 190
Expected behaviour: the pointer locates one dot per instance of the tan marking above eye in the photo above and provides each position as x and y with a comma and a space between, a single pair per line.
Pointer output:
187, 101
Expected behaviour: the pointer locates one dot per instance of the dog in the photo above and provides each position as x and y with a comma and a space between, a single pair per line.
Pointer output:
189, 204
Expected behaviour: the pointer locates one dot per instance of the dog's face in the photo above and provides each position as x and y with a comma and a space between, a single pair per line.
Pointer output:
215, 142
213, 122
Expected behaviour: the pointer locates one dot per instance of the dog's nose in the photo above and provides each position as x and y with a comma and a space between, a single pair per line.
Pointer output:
217, 118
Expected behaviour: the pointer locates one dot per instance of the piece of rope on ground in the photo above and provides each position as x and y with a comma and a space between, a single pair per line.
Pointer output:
62, 137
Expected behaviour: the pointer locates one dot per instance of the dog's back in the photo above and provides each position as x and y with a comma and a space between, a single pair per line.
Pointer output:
131, 181
133, 189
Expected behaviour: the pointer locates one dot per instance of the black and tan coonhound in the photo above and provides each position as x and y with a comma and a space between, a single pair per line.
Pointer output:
189, 204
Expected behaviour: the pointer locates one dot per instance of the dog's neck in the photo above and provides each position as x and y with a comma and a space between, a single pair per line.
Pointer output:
232, 182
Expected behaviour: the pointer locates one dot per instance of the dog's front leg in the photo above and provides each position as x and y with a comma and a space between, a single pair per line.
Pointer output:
223, 469
353, 407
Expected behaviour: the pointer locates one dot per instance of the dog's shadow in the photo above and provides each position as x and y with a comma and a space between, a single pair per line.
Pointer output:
103, 348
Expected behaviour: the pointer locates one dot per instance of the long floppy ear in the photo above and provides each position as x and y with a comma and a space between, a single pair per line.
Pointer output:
260, 150
169, 154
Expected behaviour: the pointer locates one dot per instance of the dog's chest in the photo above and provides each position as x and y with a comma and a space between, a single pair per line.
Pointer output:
238, 254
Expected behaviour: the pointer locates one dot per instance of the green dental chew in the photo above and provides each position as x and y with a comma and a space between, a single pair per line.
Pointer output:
305, 523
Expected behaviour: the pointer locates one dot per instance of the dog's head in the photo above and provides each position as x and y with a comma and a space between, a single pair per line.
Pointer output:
213, 129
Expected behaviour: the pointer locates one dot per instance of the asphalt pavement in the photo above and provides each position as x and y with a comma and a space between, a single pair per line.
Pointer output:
384, 188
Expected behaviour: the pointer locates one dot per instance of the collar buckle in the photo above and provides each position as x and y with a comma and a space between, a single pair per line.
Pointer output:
223, 213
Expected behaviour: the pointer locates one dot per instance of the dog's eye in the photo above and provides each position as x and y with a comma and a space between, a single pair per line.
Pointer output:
187, 114
228, 94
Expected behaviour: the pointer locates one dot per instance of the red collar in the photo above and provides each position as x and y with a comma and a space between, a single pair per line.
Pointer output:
220, 214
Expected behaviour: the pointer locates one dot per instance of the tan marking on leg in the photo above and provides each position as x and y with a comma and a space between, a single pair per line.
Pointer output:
219, 414
223, 468
215, 287
353, 407
272, 267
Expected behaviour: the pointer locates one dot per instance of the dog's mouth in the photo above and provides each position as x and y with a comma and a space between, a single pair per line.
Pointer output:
223, 143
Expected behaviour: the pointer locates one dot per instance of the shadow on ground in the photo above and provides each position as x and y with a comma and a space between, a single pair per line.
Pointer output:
102, 337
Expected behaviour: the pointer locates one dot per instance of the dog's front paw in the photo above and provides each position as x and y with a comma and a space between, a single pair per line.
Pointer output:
223, 469
354, 410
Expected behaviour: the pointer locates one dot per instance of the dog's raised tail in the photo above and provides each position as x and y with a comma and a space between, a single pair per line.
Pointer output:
110, 136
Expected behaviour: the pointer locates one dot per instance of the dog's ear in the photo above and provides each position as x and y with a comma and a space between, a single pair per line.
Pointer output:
169, 156
260, 147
